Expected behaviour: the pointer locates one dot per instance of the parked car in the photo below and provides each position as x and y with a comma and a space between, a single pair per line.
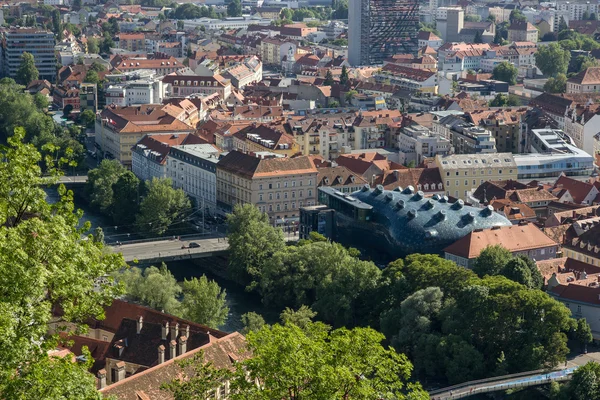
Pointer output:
194, 245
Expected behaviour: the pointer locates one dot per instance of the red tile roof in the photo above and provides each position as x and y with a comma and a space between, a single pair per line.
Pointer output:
515, 238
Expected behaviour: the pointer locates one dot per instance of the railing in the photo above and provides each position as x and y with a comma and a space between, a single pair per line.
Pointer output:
211, 235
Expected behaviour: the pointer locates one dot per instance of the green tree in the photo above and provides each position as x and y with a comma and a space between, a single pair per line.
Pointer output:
302, 317
478, 37
491, 260
53, 377
350, 95
552, 59
162, 207
502, 100
99, 187
204, 302
44, 264
517, 16
93, 45
585, 16
199, 380
252, 322
98, 235
56, 25
328, 78
125, 199
67, 110
87, 118
587, 62
234, 8
556, 84
322, 365
585, 383
506, 72
344, 76
472, 18
92, 77
154, 287
252, 241
27, 71
491, 18
96, 66
518, 271
584, 333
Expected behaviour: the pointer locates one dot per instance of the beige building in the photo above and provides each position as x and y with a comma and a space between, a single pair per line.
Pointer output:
522, 32
272, 50
278, 186
463, 173
118, 129
587, 81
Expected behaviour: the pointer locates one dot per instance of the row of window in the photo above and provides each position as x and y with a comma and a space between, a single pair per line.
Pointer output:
285, 195
278, 207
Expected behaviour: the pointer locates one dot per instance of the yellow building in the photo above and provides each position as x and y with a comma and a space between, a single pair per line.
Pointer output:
463, 173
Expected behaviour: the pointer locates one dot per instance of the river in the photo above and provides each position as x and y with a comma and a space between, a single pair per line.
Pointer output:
238, 300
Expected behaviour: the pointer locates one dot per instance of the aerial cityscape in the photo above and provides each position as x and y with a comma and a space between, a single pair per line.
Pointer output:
299, 200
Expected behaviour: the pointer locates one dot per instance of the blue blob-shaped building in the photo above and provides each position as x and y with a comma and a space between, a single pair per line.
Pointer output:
403, 221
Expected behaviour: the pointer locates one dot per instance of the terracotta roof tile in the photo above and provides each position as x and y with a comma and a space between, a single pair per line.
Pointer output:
514, 238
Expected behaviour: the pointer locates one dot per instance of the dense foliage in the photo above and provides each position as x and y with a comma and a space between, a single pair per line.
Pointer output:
506, 72
199, 299
312, 362
429, 308
151, 208
45, 263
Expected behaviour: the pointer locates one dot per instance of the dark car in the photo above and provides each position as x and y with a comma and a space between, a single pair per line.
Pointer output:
194, 245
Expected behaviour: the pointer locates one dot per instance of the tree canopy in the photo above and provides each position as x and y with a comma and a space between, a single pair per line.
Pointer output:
27, 71
552, 59
44, 264
506, 72
556, 84
162, 207
319, 364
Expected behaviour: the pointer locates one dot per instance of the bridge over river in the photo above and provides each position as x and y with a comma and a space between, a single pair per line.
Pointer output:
164, 249
515, 381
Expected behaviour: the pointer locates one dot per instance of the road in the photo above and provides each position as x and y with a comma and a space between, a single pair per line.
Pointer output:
168, 249
174, 249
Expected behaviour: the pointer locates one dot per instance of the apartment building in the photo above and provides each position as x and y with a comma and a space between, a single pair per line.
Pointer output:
132, 42
463, 173
261, 138
88, 97
162, 66
414, 80
149, 155
278, 186
466, 137
522, 31
273, 50
178, 85
133, 88
416, 142
576, 9
39, 43
505, 127
193, 168
118, 129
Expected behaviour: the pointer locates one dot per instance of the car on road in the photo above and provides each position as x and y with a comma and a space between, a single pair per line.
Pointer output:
194, 245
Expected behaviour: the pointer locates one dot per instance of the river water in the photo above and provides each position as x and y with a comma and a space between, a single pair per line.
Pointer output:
238, 300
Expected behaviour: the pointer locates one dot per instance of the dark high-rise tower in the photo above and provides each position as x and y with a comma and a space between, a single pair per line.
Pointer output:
377, 29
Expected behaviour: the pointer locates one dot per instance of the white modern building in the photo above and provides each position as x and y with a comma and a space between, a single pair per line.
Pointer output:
225, 23
552, 153
193, 168
132, 88
416, 142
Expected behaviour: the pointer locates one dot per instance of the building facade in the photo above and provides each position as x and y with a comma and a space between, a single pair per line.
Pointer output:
193, 168
36, 42
278, 186
378, 29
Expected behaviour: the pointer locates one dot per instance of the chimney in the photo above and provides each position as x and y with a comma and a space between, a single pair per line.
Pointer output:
172, 353
161, 354
140, 323
165, 330
101, 379
187, 331
174, 331
182, 345
120, 366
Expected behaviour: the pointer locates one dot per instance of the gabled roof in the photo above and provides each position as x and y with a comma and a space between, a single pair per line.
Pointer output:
590, 76
222, 353
514, 238
250, 166
577, 189
337, 176
156, 147
425, 179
